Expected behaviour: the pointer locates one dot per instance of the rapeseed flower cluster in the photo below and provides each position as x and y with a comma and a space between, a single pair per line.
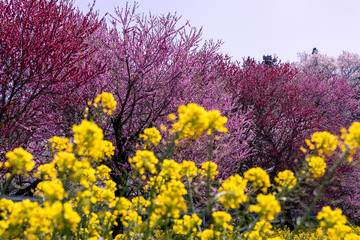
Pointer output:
187, 225
332, 223
59, 143
77, 195
351, 139
144, 160
140, 204
310, 234
151, 136
261, 230
267, 206
194, 120
27, 219
52, 190
233, 190
209, 234
170, 169
323, 142
259, 178
352, 136
59, 211
222, 220
106, 101
89, 141
317, 166
285, 180
20, 161
209, 169
170, 202
188, 169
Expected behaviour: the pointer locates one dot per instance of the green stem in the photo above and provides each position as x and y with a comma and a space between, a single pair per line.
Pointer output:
171, 147
191, 200
190, 194
8, 181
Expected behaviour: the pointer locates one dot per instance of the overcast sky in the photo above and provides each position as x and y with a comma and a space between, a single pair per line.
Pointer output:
261, 27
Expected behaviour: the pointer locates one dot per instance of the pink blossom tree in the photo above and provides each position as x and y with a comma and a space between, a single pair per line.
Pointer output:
230, 150
155, 65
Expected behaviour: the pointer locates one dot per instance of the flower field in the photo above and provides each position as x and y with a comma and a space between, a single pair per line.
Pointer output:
77, 198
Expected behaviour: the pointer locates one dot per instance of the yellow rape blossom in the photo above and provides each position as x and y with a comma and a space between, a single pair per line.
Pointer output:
64, 160
222, 220
233, 192
267, 206
338, 231
261, 229
317, 166
170, 205
47, 171
325, 142
188, 224
328, 218
170, 202
259, 178
209, 169
103, 171
107, 102
194, 120
332, 223
123, 205
140, 204
144, 160
352, 236
171, 117
92, 201
60, 143
131, 217
17, 217
51, 190
352, 138
151, 135
209, 234
285, 180
170, 169
108, 149
70, 215
89, 141
26, 219
154, 183
189, 169
20, 160
216, 121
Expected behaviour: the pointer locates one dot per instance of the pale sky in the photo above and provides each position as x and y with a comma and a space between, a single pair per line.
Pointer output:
262, 27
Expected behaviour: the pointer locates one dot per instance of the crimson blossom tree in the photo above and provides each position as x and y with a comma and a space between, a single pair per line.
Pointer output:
44, 57
287, 106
